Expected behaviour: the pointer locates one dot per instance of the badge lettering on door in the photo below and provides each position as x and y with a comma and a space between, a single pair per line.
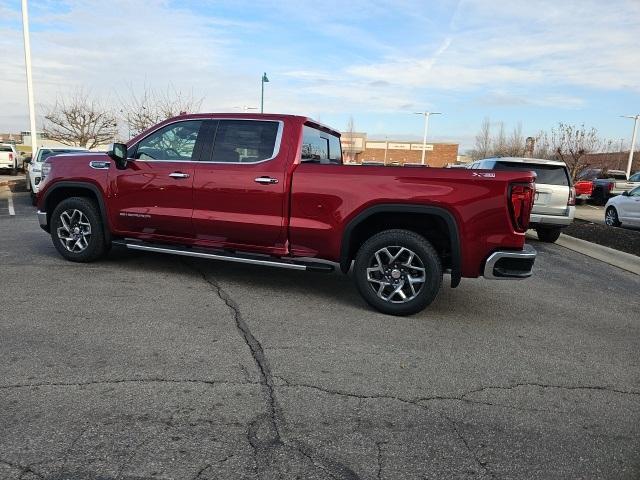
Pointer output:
138, 215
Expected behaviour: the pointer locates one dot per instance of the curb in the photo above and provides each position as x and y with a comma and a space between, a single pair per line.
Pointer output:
623, 260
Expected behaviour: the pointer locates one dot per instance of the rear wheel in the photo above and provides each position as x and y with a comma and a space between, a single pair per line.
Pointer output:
611, 217
77, 230
548, 234
398, 272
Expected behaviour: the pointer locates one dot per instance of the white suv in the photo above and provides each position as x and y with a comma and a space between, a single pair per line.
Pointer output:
34, 170
555, 200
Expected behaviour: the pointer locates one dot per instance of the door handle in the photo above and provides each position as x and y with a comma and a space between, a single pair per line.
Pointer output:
179, 175
266, 180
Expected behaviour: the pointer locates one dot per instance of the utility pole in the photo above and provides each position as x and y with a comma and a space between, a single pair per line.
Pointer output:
426, 127
264, 80
27, 62
633, 141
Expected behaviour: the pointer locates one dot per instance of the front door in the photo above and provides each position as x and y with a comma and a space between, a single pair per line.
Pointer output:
153, 196
240, 187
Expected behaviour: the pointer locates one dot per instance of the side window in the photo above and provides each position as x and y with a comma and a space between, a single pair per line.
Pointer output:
635, 192
245, 141
635, 177
176, 141
320, 147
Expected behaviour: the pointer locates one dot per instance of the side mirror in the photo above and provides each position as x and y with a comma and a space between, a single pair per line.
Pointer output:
625, 194
118, 152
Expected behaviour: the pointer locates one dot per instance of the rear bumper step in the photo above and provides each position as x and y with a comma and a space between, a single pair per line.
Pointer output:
226, 256
510, 264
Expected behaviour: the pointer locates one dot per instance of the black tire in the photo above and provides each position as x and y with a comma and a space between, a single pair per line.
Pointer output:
548, 234
95, 244
426, 255
611, 217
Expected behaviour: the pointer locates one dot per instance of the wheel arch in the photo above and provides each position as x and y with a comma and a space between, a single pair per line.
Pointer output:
63, 190
369, 221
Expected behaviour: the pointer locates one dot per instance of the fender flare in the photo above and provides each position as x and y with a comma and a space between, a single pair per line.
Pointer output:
87, 186
444, 214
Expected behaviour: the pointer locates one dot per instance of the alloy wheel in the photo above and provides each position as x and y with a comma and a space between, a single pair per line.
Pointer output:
75, 232
396, 274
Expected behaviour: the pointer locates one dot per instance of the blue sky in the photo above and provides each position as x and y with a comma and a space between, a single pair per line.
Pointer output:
529, 62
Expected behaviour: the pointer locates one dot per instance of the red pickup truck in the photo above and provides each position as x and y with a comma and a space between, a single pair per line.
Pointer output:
272, 190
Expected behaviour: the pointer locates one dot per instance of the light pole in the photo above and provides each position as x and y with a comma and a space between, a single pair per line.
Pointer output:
426, 127
633, 141
264, 80
27, 62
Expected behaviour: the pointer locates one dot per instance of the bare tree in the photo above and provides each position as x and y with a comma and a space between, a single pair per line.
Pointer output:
499, 143
543, 148
152, 106
80, 120
571, 143
349, 134
515, 145
482, 148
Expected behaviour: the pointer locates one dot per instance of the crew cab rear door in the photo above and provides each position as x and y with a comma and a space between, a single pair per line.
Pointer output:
240, 186
153, 196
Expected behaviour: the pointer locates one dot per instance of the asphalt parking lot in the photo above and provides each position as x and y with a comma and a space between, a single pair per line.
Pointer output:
151, 366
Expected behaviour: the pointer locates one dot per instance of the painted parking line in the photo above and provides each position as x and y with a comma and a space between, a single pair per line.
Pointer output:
12, 211
595, 208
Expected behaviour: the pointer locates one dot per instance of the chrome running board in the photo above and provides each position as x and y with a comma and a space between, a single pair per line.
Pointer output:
226, 256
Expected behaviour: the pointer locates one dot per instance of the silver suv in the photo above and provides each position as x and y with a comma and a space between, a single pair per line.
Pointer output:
555, 200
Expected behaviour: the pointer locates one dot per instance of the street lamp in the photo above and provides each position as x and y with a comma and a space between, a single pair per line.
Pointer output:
633, 141
27, 62
264, 80
426, 127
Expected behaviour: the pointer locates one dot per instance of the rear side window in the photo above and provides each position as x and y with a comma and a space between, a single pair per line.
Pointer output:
320, 147
245, 141
546, 174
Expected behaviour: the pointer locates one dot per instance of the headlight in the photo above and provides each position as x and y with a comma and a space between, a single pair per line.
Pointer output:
46, 168
36, 169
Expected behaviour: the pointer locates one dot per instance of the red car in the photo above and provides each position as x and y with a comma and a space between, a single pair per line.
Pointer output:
272, 190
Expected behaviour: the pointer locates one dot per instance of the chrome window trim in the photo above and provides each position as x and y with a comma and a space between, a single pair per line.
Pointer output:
276, 146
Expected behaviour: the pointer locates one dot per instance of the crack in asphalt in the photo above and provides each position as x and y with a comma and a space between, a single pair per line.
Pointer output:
473, 452
23, 469
124, 380
379, 447
263, 433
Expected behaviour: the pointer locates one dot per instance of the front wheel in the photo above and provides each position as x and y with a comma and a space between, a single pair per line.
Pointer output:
611, 217
398, 272
77, 230
548, 234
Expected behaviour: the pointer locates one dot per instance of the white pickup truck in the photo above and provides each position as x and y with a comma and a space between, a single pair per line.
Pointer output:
9, 158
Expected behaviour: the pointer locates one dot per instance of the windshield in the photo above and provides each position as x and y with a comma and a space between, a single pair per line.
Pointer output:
44, 154
546, 174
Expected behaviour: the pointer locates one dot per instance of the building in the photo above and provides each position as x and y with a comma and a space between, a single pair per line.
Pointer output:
613, 160
356, 148
13, 138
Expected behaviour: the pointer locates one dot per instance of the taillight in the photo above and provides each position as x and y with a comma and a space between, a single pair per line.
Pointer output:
11, 156
520, 205
572, 197
610, 185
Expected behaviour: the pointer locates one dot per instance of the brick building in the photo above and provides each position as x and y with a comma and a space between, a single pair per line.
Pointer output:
357, 149
613, 160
